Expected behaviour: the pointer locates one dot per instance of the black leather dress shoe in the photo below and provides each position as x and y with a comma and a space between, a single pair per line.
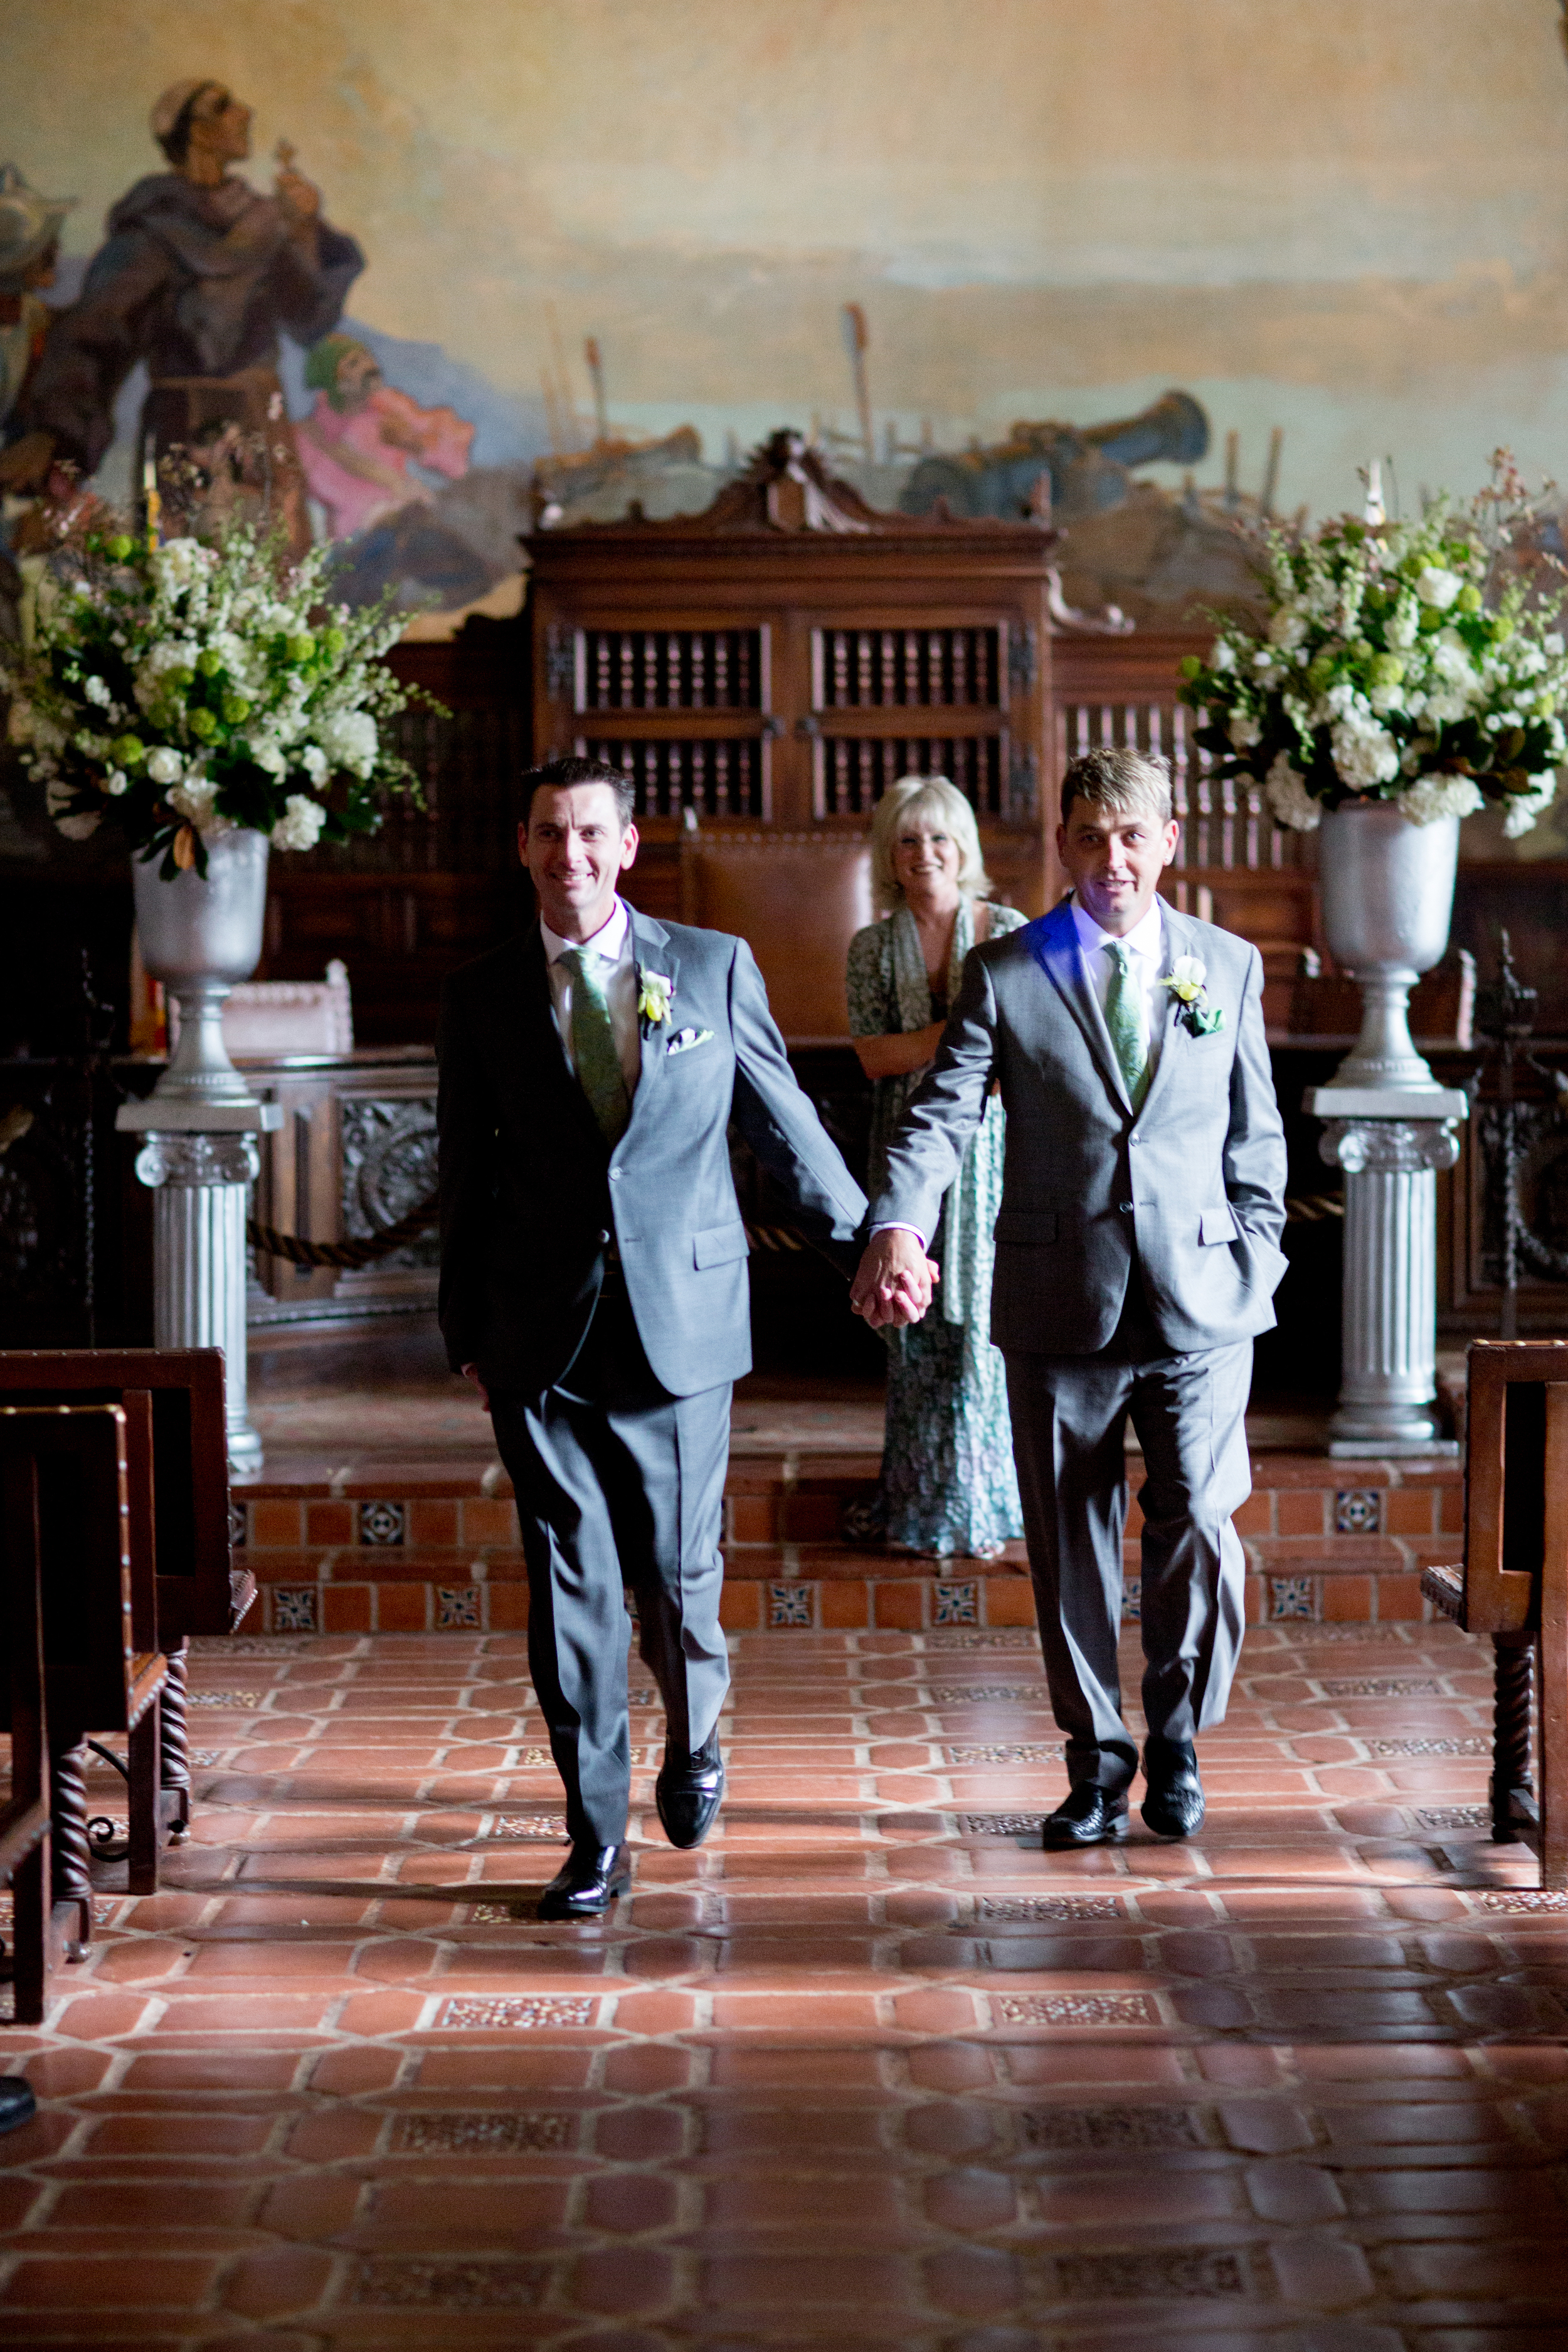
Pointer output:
1172, 1804
1087, 1815
688, 1791
587, 1883
18, 2104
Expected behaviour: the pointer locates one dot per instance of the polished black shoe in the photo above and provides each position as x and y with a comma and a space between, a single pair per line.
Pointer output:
587, 1884
1087, 1815
1172, 1804
689, 1792
18, 2104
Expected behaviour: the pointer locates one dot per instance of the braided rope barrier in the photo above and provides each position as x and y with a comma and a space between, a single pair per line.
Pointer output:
349, 1255
345, 1255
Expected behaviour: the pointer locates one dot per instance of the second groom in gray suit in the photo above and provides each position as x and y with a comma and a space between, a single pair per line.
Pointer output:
1137, 1256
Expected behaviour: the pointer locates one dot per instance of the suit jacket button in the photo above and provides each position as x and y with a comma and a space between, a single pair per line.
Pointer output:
604, 1240
1126, 1208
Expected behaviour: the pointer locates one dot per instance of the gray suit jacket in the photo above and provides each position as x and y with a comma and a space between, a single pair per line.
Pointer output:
1194, 1181
531, 1196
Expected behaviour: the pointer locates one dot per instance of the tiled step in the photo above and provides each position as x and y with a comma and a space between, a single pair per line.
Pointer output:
410, 1551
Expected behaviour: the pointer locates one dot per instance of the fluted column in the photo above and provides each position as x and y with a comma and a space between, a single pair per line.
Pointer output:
201, 1183
1390, 1148
200, 1161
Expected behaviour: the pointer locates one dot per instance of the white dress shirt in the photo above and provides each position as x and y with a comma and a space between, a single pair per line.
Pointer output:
1145, 946
613, 943
1146, 943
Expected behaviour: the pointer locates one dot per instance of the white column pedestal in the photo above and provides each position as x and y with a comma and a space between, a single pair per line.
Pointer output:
200, 1161
1390, 1141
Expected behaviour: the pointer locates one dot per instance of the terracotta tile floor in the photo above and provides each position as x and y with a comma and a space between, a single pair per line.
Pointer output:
864, 2071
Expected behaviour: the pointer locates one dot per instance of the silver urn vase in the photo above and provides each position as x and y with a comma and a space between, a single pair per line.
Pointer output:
1387, 892
199, 935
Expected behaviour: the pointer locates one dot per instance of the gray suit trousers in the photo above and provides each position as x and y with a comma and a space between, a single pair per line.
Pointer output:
618, 1482
1069, 1420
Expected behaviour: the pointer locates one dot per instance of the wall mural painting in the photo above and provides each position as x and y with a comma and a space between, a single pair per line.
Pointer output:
212, 322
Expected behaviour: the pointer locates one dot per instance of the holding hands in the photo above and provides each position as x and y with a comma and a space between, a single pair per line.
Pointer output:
895, 1280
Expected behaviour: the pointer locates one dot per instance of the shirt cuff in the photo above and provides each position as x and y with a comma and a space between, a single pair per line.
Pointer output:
893, 1226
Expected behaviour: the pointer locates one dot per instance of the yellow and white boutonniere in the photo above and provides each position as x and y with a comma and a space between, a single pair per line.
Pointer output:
1185, 981
655, 994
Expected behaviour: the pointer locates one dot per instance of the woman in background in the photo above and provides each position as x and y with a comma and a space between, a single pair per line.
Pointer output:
948, 1482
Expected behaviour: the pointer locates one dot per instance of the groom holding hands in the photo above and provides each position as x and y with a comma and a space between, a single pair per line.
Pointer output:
1137, 1256
593, 1284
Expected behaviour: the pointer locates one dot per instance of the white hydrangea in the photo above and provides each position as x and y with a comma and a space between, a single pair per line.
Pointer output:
1404, 625
1521, 813
349, 739
313, 759
1287, 628
97, 691
1245, 731
180, 563
1291, 803
115, 782
1434, 797
1437, 587
268, 752
1364, 754
1221, 654
169, 653
300, 824
194, 800
166, 766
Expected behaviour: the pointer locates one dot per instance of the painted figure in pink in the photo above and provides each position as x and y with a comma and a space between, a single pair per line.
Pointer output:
356, 443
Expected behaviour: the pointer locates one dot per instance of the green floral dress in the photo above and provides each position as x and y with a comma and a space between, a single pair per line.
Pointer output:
948, 1482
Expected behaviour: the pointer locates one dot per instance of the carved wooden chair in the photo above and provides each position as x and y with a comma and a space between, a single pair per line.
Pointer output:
1513, 1583
183, 1563
76, 1514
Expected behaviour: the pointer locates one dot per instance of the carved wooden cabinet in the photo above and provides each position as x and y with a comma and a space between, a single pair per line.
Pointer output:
778, 661
355, 1152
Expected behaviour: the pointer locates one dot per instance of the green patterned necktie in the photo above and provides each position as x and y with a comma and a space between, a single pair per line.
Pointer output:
599, 1072
1124, 1019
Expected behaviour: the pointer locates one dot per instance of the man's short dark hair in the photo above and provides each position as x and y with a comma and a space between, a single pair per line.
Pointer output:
1120, 777
557, 774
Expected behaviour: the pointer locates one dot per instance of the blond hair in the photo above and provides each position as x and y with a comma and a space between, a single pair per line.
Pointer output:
1122, 778
914, 796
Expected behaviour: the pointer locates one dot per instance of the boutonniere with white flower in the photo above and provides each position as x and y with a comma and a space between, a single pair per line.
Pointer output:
655, 996
1185, 981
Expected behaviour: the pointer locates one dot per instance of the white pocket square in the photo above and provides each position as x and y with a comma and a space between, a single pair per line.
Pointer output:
685, 1039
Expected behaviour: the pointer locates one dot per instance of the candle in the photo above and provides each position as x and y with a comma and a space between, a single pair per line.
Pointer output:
1374, 513
151, 499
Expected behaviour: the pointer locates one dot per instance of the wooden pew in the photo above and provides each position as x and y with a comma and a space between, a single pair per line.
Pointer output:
24, 1860
95, 1677
1513, 1583
182, 1550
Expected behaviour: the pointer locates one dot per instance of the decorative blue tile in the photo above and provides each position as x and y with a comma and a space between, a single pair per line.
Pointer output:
383, 1523
1131, 1600
294, 1608
789, 1604
956, 1604
457, 1606
1292, 1596
1358, 1511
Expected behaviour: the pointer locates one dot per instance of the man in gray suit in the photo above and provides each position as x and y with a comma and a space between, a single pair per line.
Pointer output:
593, 1284
1137, 1256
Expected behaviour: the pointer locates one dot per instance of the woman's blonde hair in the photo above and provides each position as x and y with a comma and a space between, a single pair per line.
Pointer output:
933, 796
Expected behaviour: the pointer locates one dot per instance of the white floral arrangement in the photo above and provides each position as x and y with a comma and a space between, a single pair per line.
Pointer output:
1410, 662
191, 686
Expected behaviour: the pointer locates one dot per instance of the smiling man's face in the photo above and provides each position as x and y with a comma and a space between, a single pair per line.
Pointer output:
1114, 857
